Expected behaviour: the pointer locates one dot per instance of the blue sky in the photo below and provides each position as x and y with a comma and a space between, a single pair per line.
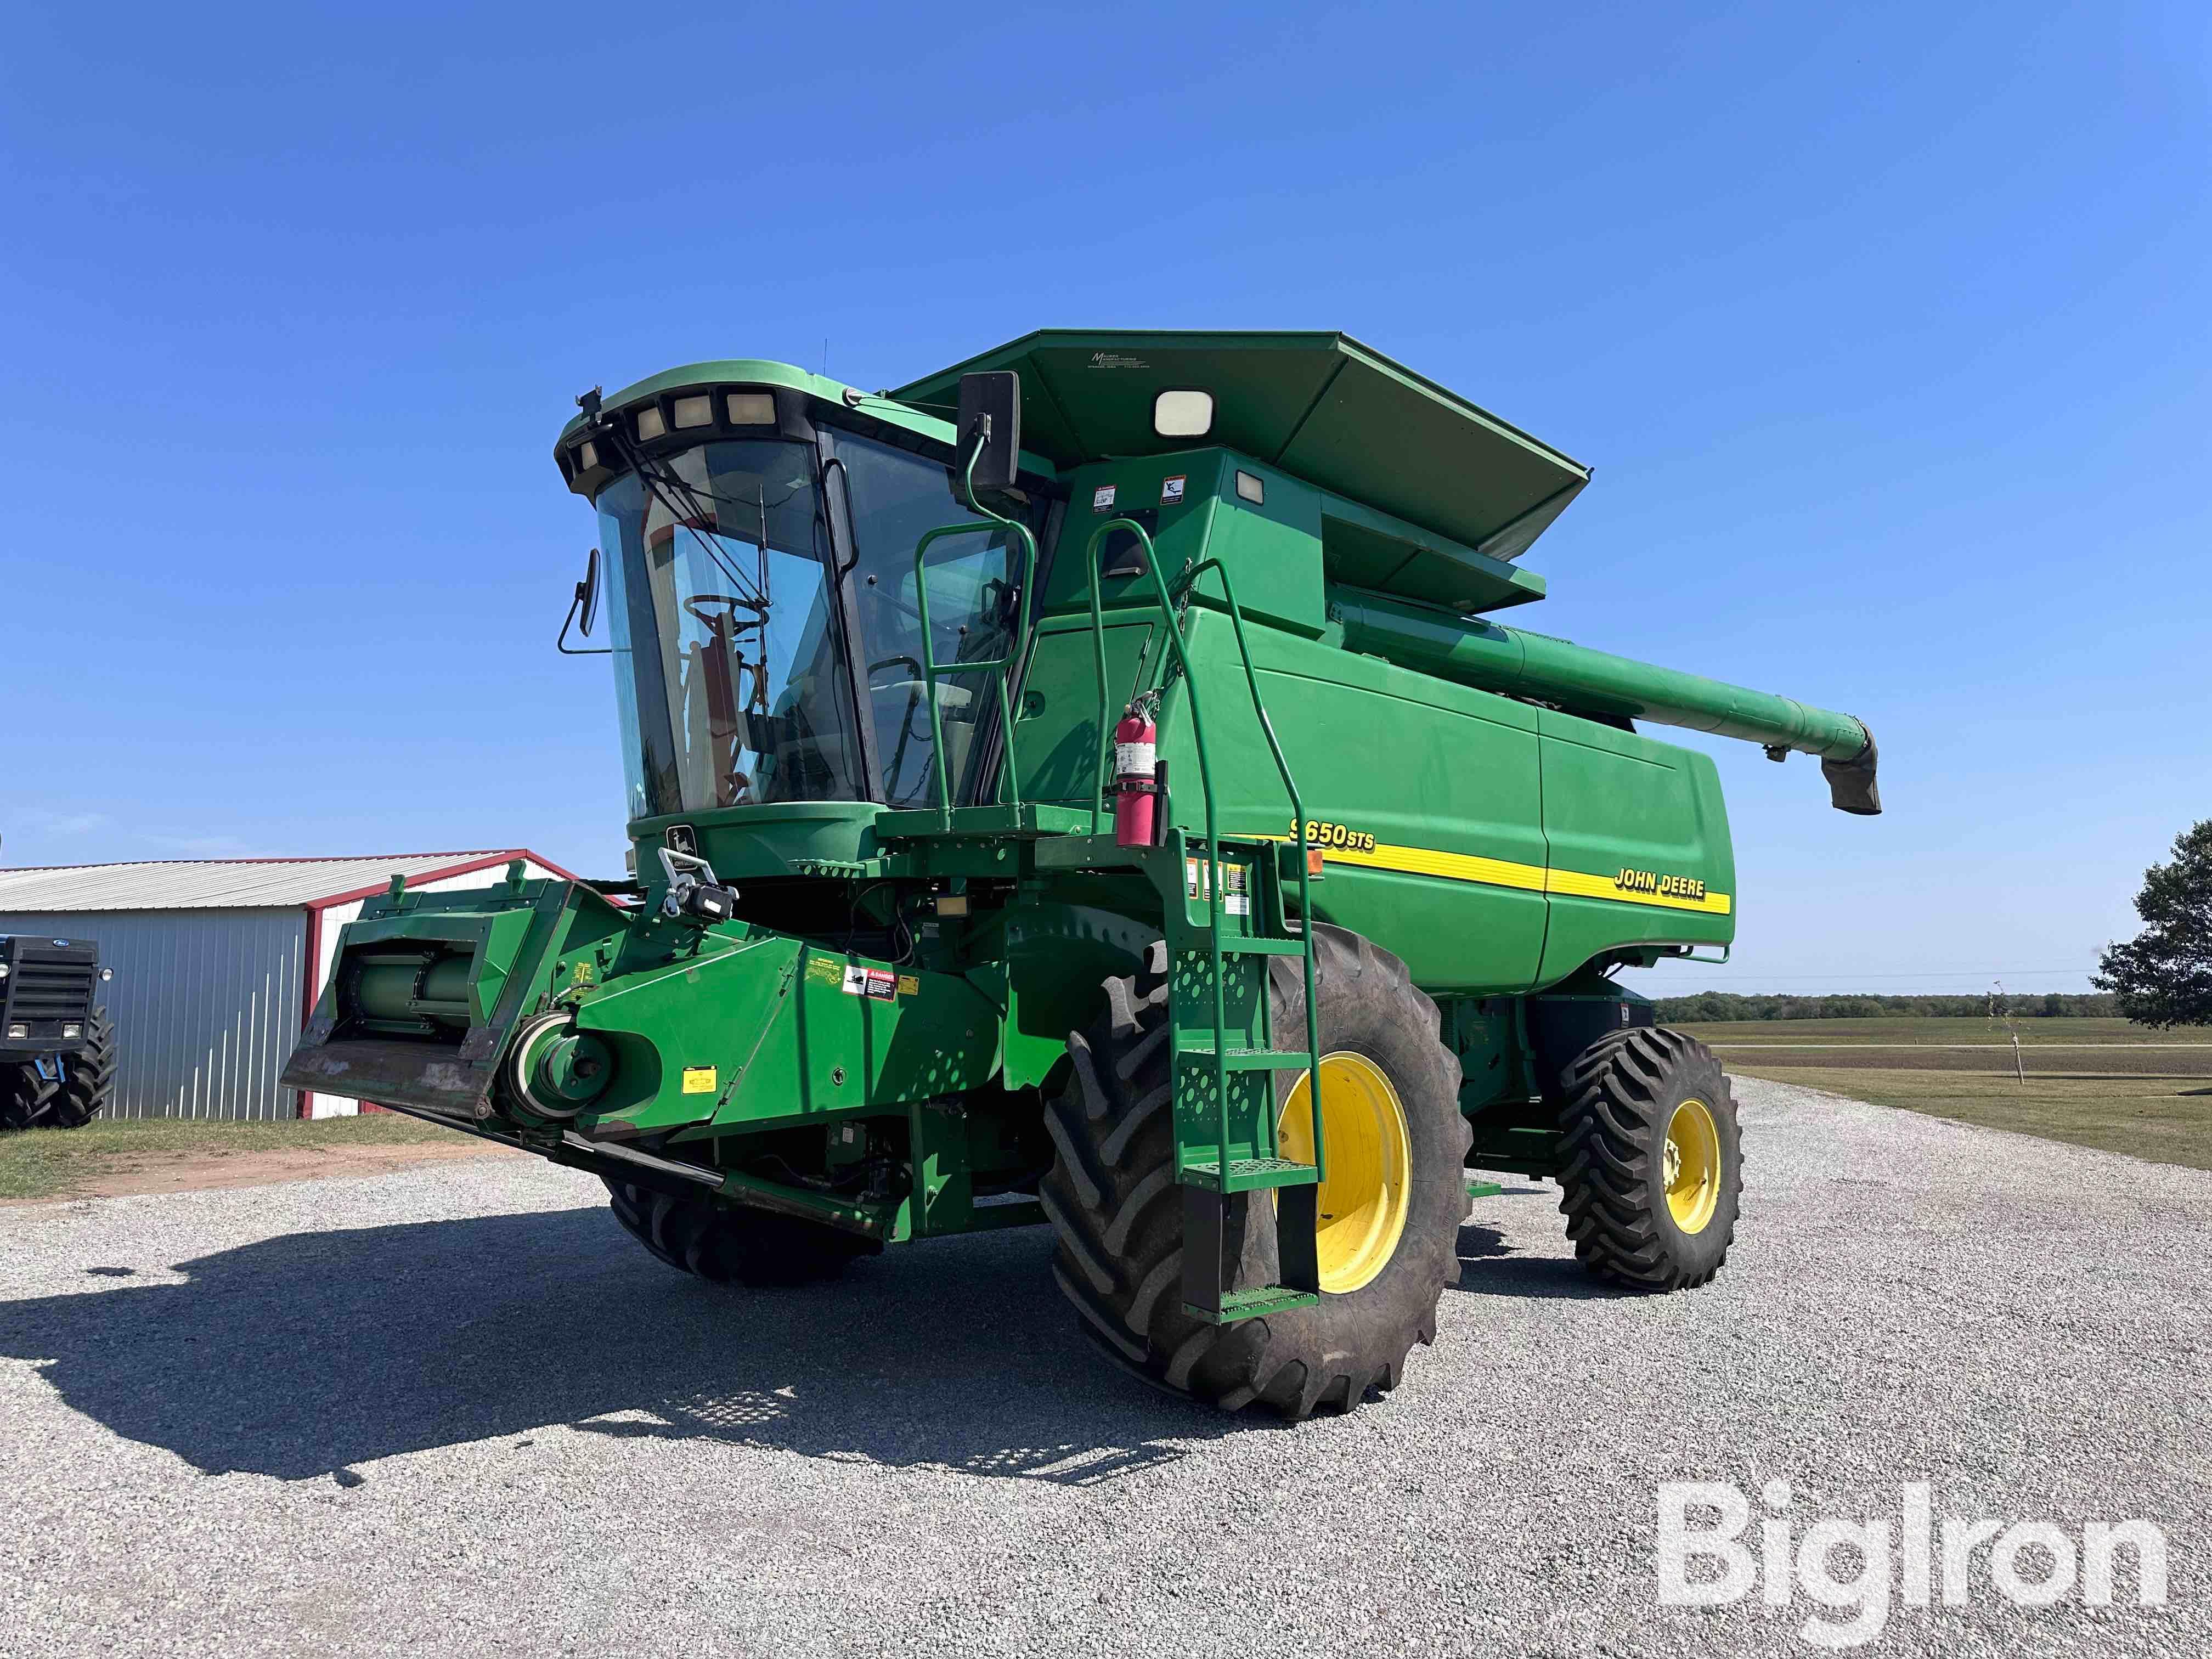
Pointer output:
1884, 328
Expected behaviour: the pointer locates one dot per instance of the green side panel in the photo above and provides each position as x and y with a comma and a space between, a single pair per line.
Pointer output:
1179, 528
1056, 738
769, 1031
1426, 792
1272, 549
1641, 828
1321, 405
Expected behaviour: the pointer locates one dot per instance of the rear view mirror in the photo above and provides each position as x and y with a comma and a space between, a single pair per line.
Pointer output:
991, 428
583, 612
587, 594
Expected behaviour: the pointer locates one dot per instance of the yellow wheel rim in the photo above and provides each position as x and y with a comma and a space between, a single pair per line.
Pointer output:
1362, 1205
1692, 1160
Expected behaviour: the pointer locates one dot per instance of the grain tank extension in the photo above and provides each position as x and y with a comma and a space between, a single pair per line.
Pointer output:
1091, 787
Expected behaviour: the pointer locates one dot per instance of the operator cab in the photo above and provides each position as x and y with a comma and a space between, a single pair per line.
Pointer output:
761, 593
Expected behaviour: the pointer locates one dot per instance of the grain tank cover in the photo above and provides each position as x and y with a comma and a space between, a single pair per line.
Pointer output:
1320, 405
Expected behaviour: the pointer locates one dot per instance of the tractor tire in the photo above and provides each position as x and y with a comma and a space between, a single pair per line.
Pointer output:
1652, 1161
89, 1079
729, 1244
26, 1099
1116, 1206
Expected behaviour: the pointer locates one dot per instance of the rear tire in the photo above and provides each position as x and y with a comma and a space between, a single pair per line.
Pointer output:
90, 1080
1116, 1206
1632, 1225
730, 1243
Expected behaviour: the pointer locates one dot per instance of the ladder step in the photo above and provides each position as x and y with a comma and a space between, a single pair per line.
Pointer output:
1263, 947
1251, 1304
1198, 1045
1248, 1174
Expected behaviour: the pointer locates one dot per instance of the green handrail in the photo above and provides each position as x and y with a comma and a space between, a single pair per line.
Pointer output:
1215, 895
997, 667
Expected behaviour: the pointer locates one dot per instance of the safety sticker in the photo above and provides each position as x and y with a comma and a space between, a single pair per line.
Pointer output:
1101, 499
878, 983
909, 985
825, 969
1171, 489
1197, 883
700, 1080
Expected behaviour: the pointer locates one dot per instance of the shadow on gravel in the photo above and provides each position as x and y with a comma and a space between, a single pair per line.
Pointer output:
299, 1356
1488, 1267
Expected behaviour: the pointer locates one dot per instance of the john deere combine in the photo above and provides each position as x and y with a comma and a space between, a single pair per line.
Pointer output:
1089, 787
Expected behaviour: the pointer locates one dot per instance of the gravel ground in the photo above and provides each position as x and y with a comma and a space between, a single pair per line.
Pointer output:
456, 1411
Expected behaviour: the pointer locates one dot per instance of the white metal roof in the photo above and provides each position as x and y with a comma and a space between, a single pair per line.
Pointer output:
225, 884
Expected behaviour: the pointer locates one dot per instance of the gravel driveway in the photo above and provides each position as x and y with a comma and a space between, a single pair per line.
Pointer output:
456, 1411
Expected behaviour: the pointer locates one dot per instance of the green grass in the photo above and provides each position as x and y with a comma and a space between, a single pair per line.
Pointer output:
51, 1163
2151, 1102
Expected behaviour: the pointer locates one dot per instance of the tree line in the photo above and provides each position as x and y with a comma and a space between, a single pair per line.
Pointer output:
2049, 1005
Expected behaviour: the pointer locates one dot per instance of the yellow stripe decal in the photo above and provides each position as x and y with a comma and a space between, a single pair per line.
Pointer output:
1503, 872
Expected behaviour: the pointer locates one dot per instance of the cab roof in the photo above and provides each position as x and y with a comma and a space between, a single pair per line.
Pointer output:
1320, 406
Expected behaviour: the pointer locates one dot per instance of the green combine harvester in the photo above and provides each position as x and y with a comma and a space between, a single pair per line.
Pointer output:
1089, 787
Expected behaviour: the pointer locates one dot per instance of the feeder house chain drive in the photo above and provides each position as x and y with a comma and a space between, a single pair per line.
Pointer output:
1091, 787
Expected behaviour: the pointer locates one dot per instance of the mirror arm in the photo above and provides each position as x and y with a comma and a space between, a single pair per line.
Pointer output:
561, 645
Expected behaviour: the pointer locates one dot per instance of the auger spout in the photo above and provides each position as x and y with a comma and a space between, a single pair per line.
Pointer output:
1477, 651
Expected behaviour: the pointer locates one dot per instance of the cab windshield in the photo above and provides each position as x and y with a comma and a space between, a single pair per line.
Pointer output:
737, 626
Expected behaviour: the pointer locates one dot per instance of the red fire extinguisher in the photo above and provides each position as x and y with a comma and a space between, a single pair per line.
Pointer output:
1136, 777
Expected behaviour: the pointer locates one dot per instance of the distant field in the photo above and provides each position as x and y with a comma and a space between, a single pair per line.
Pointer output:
2100, 1083
1917, 1032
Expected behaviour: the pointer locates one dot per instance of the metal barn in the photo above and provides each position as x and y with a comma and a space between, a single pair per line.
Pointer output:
219, 961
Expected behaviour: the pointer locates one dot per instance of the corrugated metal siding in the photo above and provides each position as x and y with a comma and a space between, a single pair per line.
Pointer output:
206, 1005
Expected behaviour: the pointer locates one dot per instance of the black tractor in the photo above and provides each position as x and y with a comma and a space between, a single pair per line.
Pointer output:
57, 1048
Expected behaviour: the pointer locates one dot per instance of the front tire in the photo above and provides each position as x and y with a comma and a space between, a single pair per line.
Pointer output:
1652, 1161
91, 1078
1116, 1207
729, 1243
26, 1099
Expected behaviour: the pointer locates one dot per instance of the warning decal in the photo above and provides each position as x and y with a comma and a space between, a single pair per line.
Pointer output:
1198, 881
878, 983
